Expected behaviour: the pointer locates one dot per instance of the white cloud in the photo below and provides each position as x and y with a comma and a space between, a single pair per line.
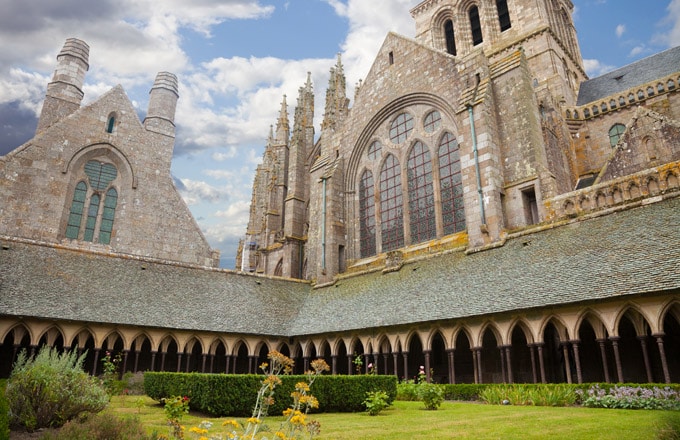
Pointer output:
672, 38
194, 192
595, 68
620, 30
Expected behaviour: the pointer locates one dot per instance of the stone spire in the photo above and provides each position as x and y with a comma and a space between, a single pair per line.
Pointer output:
337, 102
282, 125
65, 92
160, 115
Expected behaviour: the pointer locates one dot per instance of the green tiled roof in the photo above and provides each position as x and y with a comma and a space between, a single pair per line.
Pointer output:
625, 253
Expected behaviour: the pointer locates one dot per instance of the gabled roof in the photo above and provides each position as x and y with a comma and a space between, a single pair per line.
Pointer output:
630, 252
648, 69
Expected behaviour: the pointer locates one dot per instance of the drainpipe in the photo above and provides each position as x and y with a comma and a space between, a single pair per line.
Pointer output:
475, 152
323, 227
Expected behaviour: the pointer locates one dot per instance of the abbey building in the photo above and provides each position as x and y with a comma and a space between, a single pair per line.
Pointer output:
482, 208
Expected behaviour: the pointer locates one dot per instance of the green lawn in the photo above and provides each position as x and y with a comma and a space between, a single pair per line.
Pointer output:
454, 421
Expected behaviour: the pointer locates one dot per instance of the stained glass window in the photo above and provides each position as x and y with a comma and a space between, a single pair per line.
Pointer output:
451, 184
92, 213
374, 150
109, 212
391, 205
432, 121
75, 217
421, 194
615, 134
401, 127
367, 215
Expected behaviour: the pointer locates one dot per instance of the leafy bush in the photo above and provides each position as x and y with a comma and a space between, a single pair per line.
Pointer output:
407, 390
236, 395
632, 397
51, 389
375, 402
431, 394
4, 412
100, 427
530, 394
463, 391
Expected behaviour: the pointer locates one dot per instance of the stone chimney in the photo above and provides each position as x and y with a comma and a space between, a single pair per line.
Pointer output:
160, 116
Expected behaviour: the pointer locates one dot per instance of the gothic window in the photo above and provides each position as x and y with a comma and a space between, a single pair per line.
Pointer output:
401, 127
503, 14
449, 37
391, 205
76, 215
615, 134
432, 121
110, 124
421, 194
89, 192
475, 25
366, 215
374, 150
451, 184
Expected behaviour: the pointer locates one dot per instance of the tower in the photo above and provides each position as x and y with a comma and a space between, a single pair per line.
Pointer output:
65, 91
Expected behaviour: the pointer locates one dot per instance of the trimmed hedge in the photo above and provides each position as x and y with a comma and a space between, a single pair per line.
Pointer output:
235, 394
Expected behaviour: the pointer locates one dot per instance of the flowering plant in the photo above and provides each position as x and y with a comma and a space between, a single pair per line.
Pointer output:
175, 408
629, 397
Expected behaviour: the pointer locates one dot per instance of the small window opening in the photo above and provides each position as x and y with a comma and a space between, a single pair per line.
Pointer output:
503, 14
530, 206
110, 124
341, 259
450, 37
476, 26
615, 133
391, 57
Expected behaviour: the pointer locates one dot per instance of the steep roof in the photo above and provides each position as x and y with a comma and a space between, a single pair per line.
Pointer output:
648, 69
625, 253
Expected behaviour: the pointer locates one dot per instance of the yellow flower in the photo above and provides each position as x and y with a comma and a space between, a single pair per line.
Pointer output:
280, 435
302, 386
233, 423
253, 420
287, 411
197, 430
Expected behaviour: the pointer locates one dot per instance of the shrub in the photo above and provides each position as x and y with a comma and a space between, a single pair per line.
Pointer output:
236, 395
431, 394
4, 412
100, 427
375, 402
407, 390
463, 391
530, 394
51, 389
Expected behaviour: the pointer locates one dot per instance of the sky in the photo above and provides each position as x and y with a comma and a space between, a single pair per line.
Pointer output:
235, 59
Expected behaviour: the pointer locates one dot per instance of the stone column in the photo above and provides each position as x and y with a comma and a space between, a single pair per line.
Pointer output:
428, 376
475, 373
163, 361
226, 363
212, 362
404, 355
577, 361
203, 363
153, 360
541, 362
603, 354
617, 357
385, 357
662, 353
479, 364
645, 357
125, 358
532, 351
395, 361
186, 368
334, 364
96, 361
504, 378
136, 366
452, 366
179, 361
508, 359
567, 363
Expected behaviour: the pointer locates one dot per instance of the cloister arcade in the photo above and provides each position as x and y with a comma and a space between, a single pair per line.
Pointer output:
616, 341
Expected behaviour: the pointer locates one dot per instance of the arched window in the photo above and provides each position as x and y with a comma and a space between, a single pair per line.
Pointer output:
401, 127
475, 25
374, 150
366, 215
451, 184
503, 14
450, 37
615, 134
109, 212
391, 205
432, 122
110, 124
89, 192
421, 194
76, 215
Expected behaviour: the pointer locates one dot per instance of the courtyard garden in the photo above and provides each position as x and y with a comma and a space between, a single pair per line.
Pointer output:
39, 404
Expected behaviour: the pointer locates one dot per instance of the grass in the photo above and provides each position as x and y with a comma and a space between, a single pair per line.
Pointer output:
454, 421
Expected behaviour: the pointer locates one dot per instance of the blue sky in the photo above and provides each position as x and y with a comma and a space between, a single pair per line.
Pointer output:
235, 59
